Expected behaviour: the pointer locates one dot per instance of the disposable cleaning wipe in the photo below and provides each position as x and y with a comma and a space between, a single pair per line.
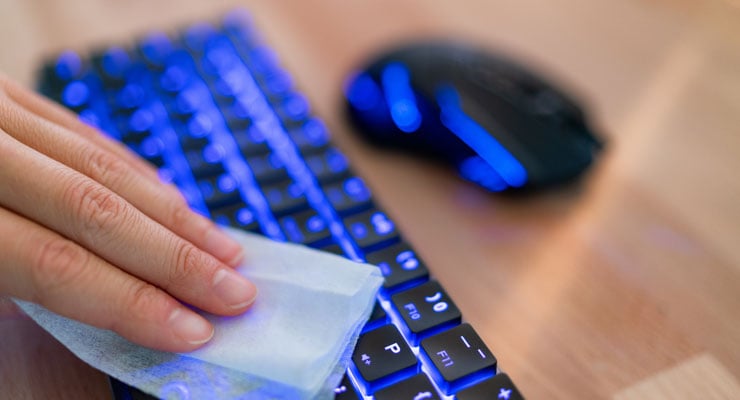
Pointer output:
295, 342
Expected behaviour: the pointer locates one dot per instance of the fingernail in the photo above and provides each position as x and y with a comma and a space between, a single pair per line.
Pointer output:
190, 327
223, 247
233, 289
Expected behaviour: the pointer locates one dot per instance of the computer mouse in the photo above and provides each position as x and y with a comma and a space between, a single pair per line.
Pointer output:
500, 124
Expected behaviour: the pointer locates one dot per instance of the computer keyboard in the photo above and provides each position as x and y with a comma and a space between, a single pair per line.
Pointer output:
213, 110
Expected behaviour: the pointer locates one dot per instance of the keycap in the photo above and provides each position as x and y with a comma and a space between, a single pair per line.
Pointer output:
285, 197
311, 137
400, 266
381, 354
500, 387
206, 162
331, 248
371, 229
237, 215
456, 354
251, 141
345, 390
328, 165
219, 190
426, 307
418, 387
378, 317
267, 168
348, 195
305, 227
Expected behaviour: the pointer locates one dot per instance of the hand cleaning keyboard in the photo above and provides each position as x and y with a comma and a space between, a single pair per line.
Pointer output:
214, 111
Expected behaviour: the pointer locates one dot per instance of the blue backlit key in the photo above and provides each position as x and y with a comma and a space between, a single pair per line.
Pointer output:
267, 168
400, 265
328, 165
458, 355
237, 215
500, 387
426, 308
311, 137
348, 195
285, 197
305, 227
219, 190
251, 141
206, 162
382, 355
371, 229
378, 317
345, 390
418, 387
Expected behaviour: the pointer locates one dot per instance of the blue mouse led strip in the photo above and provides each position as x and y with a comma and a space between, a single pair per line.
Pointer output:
480, 140
400, 97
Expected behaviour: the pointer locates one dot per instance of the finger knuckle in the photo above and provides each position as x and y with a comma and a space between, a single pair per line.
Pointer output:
59, 264
144, 301
179, 215
96, 207
106, 167
187, 261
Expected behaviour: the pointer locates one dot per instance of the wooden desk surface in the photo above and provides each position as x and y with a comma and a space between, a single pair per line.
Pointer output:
626, 286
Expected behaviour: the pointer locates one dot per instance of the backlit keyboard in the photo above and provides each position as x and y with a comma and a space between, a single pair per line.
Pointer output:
213, 110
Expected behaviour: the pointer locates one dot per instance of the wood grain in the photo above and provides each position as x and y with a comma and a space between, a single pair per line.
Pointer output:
590, 291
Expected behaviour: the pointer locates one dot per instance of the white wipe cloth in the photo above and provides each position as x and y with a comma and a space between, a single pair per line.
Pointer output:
294, 343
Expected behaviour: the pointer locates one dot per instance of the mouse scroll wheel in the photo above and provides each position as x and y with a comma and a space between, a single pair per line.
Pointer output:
545, 103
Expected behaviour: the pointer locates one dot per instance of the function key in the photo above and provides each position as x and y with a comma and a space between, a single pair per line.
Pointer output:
348, 195
237, 215
345, 390
305, 227
426, 308
500, 387
418, 387
382, 355
371, 229
400, 266
458, 355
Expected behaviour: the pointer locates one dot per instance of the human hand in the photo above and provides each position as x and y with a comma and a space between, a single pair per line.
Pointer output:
89, 232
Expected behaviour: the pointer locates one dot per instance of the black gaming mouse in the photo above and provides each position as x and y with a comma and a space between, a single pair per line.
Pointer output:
501, 125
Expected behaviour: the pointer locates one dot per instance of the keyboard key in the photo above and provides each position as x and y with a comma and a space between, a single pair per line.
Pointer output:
285, 197
251, 141
267, 168
418, 387
345, 390
219, 191
371, 229
382, 354
328, 165
348, 195
331, 248
206, 162
311, 137
400, 266
500, 387
425, 308
237, 215
305, 227
457, 354
378, 317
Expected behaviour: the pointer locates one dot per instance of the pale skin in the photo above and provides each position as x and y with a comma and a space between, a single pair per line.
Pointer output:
88, 231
